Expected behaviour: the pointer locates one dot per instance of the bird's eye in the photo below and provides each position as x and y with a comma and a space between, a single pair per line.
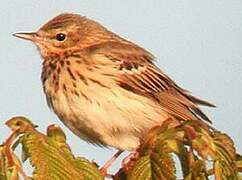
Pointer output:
60, 37
18, 123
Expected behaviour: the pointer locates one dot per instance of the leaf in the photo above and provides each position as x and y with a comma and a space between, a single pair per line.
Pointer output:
180, 150
225, 145
239, 162
49, 161
89, 170
194, 142
8, 165
211, 143
142, 170
198, 171
225, 165
50, 155
156, 161
199, 138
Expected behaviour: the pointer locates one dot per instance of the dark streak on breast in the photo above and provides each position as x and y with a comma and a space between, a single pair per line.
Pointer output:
64, 87
76, 55
89, 68
52, 66
57, 84
78, 61
62, 63
54, 77
58, 70
76, 93
74, 84
70, 73
97, 82
82, 78
85, 97
68, 63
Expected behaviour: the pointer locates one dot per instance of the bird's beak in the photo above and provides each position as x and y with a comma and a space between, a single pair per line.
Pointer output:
27, 36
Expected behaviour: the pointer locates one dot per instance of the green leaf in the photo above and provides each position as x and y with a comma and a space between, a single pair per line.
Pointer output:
49, 154
225, 165
194, 142
142, 169
49, 161
89, 171
180, 150
8, 165
198, 171
156, 161
239, 162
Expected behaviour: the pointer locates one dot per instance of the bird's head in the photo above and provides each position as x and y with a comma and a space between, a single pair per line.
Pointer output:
66, 33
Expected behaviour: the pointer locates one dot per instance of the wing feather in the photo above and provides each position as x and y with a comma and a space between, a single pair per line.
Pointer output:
140, 75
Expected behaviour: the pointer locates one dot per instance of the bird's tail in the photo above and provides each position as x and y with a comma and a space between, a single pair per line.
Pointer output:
199, 101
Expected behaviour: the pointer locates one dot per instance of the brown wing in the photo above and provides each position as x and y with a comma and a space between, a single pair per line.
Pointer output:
140, 75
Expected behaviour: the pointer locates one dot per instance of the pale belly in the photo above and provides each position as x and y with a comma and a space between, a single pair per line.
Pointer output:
117, 119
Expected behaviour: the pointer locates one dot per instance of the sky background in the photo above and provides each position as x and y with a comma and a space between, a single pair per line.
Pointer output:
197, 43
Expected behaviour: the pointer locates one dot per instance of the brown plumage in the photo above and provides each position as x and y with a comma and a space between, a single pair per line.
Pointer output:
106, 89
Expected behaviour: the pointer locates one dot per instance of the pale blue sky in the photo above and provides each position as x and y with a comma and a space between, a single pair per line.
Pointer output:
197, 43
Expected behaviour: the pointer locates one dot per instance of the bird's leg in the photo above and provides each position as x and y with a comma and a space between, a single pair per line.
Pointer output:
105, 167
129, 161
129, 158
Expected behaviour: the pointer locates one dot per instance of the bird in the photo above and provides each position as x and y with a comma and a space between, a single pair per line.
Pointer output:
107, 90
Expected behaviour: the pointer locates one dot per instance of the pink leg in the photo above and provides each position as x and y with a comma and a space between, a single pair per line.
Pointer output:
105, 167
129, 161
